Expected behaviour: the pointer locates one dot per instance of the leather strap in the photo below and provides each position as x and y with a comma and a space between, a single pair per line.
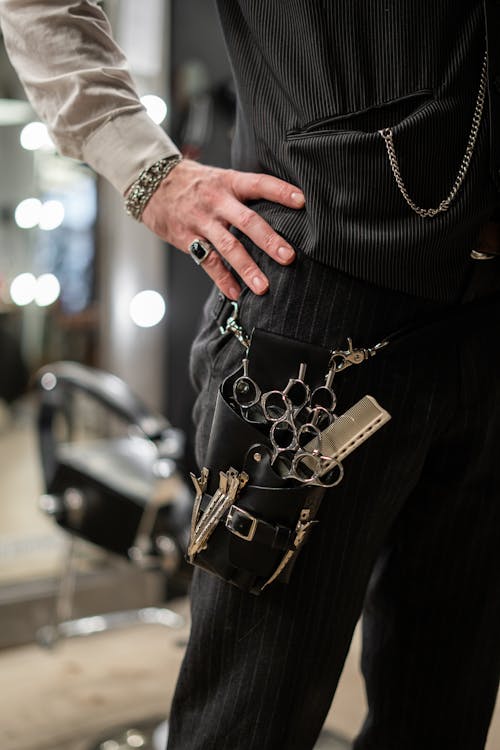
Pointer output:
251, 529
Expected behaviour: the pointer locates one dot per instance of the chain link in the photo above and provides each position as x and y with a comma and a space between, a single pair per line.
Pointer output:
387, 135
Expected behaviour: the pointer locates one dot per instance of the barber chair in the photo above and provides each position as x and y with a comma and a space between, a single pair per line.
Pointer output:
122, 492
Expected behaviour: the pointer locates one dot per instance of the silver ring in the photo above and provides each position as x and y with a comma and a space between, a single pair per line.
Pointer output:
200, 250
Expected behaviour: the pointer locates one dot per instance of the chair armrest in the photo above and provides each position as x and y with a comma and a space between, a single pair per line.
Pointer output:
108, 389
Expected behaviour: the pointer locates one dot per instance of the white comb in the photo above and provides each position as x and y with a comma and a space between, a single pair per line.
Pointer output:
351, 429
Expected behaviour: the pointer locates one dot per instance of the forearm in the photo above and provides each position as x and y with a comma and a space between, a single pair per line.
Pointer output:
77, 79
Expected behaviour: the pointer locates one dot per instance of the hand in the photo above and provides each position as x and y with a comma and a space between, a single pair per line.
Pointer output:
196, 201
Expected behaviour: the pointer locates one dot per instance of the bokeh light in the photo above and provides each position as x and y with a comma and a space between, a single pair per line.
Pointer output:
156, 107
147, 308
48, 289
35, 136
52, 215
28, 213
23, 289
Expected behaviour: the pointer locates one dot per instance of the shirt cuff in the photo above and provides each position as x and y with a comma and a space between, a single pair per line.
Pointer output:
121, 148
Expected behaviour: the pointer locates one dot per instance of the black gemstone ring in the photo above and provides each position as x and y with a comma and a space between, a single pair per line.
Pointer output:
200, 250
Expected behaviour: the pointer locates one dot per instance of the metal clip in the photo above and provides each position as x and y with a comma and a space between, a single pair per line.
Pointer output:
304, 525
232, 326
230, 483
341, 359
200, 483
302, 529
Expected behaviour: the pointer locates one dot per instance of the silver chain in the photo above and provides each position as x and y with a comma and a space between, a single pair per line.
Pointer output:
387, 135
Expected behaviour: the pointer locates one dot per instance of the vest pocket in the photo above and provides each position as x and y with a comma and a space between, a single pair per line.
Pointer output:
385, 114
346, 172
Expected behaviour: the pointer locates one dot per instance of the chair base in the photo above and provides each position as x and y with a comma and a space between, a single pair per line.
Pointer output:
49, 635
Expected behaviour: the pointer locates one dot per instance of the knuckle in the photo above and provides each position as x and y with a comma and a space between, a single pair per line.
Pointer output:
234, 182
246, 219
212, 262
222, 277
269, 240
197, 185
284, 192
227, 246
247, 271
254, 184
260, 182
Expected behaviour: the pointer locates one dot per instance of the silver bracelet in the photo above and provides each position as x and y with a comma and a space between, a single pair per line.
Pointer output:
147, 183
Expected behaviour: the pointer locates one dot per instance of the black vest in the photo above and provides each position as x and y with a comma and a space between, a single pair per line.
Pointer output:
317, 79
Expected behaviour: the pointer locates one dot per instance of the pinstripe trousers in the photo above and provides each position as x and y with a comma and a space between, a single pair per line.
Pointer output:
411, 538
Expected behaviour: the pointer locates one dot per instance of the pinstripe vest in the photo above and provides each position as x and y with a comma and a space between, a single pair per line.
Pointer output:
316, 80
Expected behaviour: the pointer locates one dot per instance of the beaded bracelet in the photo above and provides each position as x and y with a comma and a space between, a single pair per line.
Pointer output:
147, 183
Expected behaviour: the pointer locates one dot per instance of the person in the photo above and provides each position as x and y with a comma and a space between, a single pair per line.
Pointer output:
363, 197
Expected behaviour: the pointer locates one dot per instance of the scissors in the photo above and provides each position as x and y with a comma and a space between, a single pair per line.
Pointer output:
246, 392
309, 467
318, 420
277, 405
274, 405
324, 395
321, 410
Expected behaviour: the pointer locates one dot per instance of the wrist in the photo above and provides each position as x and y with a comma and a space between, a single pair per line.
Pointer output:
148, 182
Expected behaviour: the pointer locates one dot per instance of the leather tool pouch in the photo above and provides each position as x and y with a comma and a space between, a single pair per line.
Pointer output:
249, 523
257, 538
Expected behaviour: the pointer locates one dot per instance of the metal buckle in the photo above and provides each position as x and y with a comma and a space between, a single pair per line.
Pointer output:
242, 517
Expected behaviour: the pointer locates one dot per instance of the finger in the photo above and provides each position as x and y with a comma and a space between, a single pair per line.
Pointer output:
238, 258
221, 276
250, 186
258, 230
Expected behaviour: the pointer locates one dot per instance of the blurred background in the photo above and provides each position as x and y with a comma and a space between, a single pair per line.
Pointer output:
94, 455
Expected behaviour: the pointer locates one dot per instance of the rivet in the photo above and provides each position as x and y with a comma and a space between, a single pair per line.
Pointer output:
257, 457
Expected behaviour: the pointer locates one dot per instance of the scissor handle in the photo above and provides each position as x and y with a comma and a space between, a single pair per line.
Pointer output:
283, 405
323, 397
309, 433
297, 384
246, 392
288, 429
